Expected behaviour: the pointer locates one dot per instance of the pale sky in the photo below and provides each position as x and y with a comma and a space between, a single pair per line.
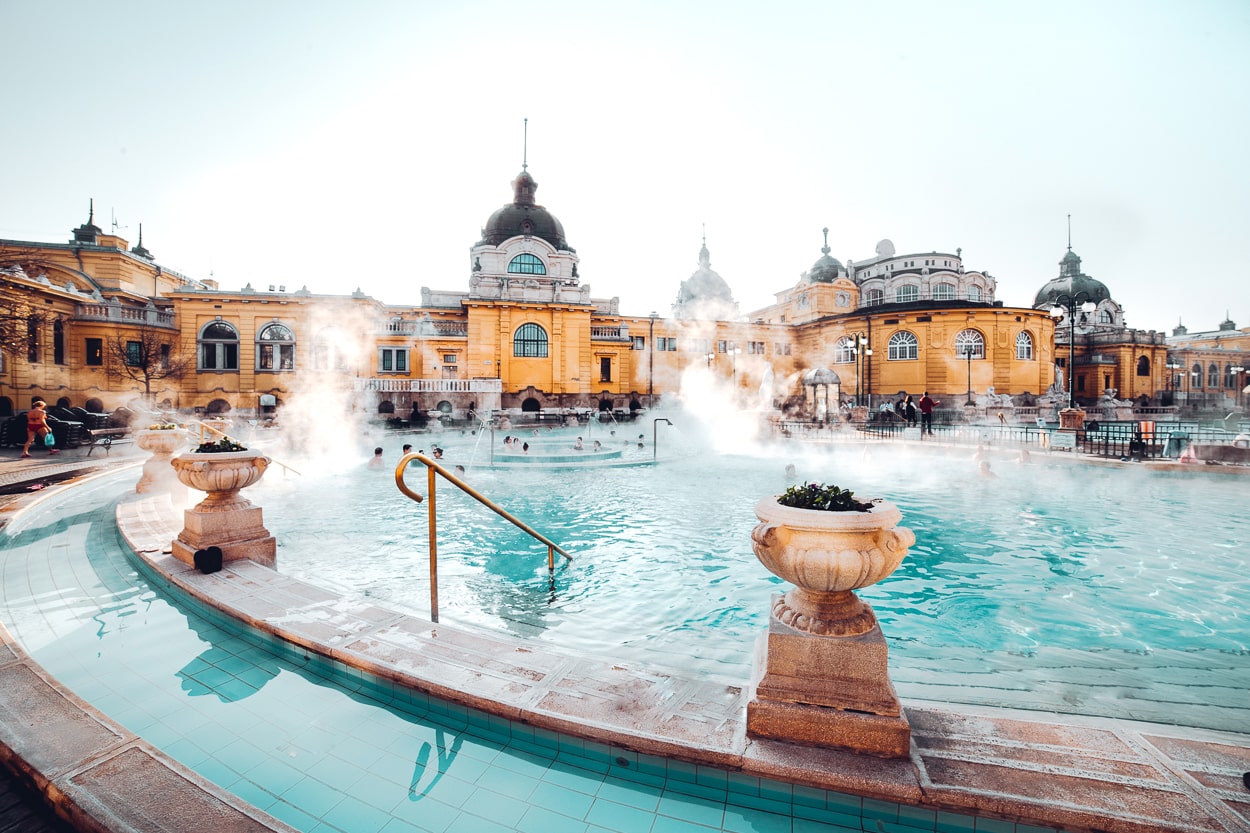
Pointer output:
364, 144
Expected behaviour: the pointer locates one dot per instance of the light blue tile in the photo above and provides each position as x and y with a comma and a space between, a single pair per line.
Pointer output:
810, 826
357, 816
745, 820
668, 824
507, 783
694, 810
619, 817
632, 795
293, 816
538, 820
994, 826
466, 823
917, 817
561, 800
496, 807
312, 796
883, 810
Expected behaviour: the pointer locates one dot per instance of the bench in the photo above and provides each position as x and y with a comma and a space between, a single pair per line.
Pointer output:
103, 438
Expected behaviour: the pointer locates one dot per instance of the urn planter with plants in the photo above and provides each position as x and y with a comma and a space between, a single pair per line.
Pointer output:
821, 675
224, 518
162, 439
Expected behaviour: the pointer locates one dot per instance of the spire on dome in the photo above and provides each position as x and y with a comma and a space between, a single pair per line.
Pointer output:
138, 249
88, 231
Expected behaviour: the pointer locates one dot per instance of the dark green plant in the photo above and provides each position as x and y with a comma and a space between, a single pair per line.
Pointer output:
822, 498
220, 446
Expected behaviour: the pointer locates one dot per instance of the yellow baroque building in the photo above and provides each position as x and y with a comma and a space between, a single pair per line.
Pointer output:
96, 323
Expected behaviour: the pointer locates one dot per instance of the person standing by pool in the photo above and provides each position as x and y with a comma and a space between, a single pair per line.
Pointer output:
37, 427
927, 405
909, 411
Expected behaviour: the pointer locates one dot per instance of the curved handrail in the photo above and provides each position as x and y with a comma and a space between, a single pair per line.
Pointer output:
432, 469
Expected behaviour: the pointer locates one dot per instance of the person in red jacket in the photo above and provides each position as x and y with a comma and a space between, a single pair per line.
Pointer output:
926, 413
37, 427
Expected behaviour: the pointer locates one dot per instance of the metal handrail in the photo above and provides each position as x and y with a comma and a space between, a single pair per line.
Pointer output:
432, 469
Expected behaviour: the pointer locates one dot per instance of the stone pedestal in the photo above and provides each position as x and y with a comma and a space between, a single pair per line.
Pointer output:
240, 533
1071, 419
826, 691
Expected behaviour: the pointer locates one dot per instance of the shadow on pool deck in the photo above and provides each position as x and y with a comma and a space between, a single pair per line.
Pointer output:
1026, 767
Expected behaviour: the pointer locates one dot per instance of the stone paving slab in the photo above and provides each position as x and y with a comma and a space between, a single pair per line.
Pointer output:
1034, 768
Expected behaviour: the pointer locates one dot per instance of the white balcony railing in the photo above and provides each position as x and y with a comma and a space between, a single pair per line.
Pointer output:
125, 315
382, 384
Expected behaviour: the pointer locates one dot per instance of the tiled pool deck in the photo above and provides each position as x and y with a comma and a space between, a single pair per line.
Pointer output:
1015, 771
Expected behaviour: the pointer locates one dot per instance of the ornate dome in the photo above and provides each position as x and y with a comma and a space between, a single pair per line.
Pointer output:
1070, 284
523, 216
705, 295
827, 269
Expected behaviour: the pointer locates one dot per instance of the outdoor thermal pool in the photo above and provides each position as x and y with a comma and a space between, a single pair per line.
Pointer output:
1055, 586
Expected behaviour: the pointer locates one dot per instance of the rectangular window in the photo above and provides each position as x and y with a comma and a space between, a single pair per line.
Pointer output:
134, 354
755, 348
32, 340
164, 357
449, 358
721, 346
605, 369
665, 345
639, 343
95, 352
392, 359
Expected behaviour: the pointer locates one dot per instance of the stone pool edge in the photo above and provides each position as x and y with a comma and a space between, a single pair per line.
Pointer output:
1024, 767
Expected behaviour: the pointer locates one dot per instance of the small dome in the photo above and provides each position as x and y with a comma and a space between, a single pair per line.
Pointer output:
821, 376
523, 216
885, 248
1071, 284
827, 269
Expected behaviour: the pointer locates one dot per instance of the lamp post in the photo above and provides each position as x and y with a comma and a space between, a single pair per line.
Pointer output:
859, 349
968, 351
1083, 302
1173, 388
734, 350
709, 358
651, 364
1239, 372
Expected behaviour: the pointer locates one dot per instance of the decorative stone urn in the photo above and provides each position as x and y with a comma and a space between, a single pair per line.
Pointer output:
821, 675
224, 518
162, 443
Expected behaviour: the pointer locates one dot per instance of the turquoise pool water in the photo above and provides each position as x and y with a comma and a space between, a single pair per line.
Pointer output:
325, 750
1068, 588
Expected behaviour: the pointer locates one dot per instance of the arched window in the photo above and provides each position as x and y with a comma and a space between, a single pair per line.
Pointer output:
1213, 375
1105, 317
1195, 376
275, 348
906, 294
526, 264
328, 352
944, 292
874, 297
1143, 366
1024, 346
530, 341
903, 345
218, 347
974, 293
969, 339
844, 351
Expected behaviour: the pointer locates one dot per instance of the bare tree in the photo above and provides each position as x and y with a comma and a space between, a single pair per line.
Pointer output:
20, 320
145, 354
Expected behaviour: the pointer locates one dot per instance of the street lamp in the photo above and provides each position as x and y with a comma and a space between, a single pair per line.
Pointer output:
733, 351
1239, 370
859, 349
651, 364
969, 349
1083, 302
709, 358
1173, 388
